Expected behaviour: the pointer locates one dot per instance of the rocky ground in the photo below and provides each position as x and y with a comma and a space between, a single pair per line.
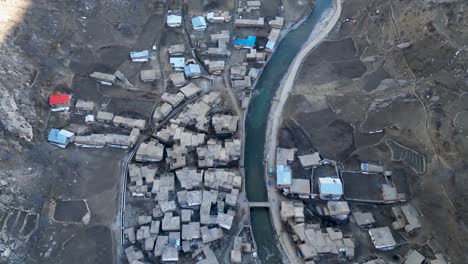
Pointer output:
362, 80
49, 47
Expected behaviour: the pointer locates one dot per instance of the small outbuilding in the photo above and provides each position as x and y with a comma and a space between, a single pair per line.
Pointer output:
364, 219
84, 106
310, 160
148, 75
382, 238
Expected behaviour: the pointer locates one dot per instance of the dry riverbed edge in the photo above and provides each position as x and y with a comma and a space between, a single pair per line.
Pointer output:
317, 36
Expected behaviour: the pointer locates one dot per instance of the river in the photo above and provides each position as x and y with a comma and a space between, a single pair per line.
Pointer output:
255, 129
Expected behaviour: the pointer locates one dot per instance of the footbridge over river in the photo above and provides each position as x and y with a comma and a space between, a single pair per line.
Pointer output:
259, 204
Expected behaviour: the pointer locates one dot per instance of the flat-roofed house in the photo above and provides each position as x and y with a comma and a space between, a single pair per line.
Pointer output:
139, 56
382, 238
60, 102
178, 63
330, 188
173, 20
60, 137
283, 176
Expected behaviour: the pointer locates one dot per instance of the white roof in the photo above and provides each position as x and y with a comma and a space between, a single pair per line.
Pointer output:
66, 133
89, 118
174, 19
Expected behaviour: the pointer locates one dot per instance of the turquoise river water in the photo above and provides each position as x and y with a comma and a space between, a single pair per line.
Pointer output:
255, 128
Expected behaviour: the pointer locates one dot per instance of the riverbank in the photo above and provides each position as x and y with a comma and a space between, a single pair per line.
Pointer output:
318, 35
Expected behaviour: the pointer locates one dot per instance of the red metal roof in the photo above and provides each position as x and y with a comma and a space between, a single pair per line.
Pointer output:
59, 99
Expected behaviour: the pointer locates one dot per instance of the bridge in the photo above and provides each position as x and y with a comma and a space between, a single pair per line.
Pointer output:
259, 204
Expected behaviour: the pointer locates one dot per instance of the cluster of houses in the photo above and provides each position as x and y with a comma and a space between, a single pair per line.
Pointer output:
254, 49
185, 168
311, 239
183, 219
218, 53
189, 165
169, 102
78, 135
243, 243
326, 181
189, 68
213, 46
325, 187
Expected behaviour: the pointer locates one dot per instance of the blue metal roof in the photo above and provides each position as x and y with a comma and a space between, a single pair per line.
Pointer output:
331, 186
177, 62
283, 175
248, 42
139, 54
270, 45
192, 69
56, 137
199, 22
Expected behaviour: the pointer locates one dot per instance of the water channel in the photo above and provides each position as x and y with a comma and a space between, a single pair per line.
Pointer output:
255, 128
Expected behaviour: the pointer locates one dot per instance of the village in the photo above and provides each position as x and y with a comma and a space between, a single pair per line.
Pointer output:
183, 190
328, 204
233, 131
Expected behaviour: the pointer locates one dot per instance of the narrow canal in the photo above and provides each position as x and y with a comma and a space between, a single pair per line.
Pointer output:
255, 128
